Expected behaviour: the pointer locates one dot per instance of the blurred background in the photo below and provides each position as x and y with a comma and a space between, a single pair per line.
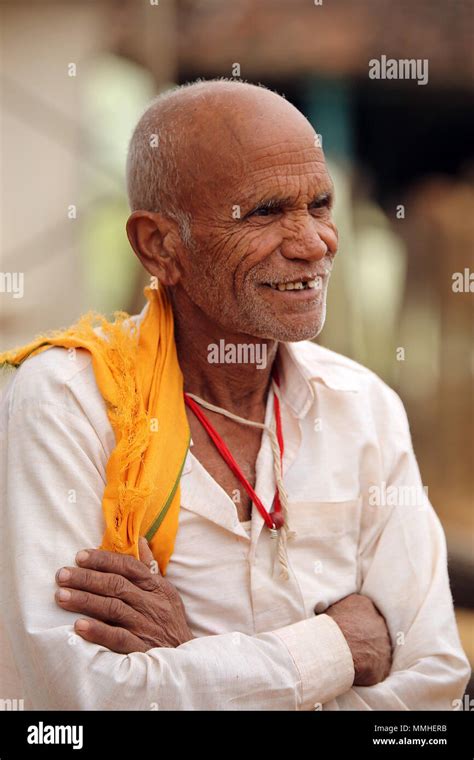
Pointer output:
75, 79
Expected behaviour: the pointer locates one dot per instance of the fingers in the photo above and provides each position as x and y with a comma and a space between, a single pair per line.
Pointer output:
112, 562
103, 584
105, 608
146, 555
116, 639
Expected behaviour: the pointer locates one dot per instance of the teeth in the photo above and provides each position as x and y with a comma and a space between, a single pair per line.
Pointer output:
300, 285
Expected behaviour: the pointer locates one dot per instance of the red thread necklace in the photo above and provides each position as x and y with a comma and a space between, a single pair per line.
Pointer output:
274, 520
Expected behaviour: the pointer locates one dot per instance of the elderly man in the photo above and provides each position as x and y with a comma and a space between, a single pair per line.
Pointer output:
287, 570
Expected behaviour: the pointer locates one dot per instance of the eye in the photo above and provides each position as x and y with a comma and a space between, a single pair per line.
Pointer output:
265, 209
325, 201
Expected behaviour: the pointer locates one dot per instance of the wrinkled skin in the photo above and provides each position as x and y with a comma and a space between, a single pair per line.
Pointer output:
367, 636
131, 608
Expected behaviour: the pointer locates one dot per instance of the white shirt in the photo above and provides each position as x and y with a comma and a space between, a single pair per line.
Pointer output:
259, 644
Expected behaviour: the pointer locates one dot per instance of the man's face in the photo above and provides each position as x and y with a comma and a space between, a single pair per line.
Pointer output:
262, 223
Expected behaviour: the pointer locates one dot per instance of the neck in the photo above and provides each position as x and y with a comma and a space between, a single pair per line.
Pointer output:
229, 369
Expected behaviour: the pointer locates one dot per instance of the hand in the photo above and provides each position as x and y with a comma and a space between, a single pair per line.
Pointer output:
367, 635
131, 606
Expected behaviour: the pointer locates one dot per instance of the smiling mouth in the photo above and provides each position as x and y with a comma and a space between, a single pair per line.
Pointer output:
307, 284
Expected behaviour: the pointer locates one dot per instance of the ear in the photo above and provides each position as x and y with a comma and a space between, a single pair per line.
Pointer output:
156, 241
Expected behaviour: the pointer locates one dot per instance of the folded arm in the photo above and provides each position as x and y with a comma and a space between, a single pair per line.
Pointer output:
403, 570
53, 470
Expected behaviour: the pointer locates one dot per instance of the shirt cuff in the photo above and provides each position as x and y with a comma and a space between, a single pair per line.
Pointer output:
322, 657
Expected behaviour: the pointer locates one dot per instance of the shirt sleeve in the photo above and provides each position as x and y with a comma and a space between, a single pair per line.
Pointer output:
53, 471
403, 568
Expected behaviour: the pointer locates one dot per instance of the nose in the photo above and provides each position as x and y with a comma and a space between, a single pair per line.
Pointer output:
312, 241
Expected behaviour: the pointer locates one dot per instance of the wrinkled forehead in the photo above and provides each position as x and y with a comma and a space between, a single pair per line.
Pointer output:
256, 149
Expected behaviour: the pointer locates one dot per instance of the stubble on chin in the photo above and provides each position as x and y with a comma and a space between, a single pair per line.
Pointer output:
259, 321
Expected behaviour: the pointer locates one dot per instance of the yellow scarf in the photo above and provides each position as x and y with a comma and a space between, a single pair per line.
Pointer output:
138, 374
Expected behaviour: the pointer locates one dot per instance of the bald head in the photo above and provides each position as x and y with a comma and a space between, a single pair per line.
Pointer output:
192, 137
231, 201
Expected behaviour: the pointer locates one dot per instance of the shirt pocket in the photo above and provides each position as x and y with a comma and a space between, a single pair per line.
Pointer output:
324, 550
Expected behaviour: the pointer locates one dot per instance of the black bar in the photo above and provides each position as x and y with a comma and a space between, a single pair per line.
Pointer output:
153, 733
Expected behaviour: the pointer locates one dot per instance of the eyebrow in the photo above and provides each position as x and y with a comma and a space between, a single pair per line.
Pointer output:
268, 201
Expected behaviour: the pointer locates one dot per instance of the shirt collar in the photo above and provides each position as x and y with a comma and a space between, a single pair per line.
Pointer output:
303, 363
300, 364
